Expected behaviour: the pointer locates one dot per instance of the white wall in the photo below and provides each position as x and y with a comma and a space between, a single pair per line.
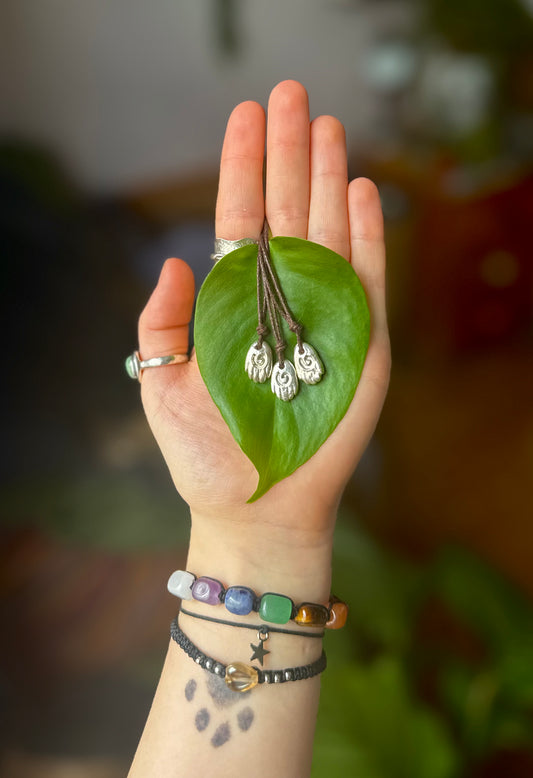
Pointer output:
129, 90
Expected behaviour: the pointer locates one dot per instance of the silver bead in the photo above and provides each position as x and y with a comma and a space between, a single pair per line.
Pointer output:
309, 367
258, 363
284, 381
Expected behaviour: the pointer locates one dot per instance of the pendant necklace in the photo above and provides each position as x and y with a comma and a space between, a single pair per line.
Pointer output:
284, 375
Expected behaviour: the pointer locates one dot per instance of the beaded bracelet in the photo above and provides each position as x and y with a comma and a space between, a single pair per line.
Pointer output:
238, 676
240, 600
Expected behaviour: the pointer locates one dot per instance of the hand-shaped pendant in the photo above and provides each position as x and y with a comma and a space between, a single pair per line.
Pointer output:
309, 368
258, 363
284, 381
272, 303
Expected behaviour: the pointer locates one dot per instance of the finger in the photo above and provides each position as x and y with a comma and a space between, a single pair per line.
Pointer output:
368, 246
240, 203
164, 323
328, 207
287, 181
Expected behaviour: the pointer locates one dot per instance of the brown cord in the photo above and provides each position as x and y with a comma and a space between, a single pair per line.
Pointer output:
273, 313
270, 298
262, 328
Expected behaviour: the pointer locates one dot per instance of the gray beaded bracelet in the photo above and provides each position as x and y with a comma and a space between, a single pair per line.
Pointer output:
238, 676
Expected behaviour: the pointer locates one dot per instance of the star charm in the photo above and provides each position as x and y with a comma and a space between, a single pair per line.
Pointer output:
259, 652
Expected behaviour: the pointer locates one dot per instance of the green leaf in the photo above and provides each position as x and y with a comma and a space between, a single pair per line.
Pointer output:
383, 590
491, 605
368, 712
324, 295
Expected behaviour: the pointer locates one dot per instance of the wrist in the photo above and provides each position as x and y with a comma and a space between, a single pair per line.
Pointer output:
262, 556
266, 558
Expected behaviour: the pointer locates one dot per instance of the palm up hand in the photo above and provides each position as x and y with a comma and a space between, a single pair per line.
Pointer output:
307, 196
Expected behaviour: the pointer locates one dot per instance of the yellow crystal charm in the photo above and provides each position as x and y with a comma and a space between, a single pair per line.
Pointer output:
240, 677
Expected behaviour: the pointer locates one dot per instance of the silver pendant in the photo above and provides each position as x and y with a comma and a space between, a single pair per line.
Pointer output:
284, 381
309, 368
258, 363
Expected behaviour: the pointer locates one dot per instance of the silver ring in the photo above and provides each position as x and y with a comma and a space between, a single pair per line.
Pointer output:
223, 246
135, 365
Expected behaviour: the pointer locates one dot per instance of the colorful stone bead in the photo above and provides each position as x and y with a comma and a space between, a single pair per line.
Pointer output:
240, 677
338, 613
207, 590
311, 615
239, 600
179, 584
276, 608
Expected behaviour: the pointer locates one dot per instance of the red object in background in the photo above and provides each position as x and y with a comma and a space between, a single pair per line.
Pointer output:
473, 269
74, 611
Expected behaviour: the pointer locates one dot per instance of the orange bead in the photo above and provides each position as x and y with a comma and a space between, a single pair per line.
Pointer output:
240, 677
338, 613
311, 615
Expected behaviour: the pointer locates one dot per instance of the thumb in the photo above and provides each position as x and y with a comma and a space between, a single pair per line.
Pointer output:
164, 323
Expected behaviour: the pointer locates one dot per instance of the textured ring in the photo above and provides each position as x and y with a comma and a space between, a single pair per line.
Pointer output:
135, 365
223, 246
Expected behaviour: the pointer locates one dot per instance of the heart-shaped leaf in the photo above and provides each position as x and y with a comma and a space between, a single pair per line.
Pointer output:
326, 296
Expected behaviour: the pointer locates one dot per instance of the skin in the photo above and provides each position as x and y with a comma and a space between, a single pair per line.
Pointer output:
283, 541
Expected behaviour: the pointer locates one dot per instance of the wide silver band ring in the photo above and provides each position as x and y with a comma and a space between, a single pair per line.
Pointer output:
223, 246
135, 365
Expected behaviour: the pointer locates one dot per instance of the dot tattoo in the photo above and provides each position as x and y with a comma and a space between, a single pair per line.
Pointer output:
190, 690
220, 693
202, 720
221, 736
245, 718
222, 698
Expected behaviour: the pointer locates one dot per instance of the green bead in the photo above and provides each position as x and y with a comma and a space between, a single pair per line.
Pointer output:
133, 365
276, 608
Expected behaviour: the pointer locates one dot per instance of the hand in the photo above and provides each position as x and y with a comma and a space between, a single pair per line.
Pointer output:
307, 196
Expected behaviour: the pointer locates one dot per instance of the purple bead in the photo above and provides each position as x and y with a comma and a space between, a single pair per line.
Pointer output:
239, 600
207, 590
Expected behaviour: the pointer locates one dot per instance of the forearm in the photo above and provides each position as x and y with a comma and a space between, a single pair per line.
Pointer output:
282, 542
196, 725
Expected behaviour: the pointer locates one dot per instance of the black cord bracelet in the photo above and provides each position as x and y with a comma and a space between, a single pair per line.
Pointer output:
238, 676
257, 628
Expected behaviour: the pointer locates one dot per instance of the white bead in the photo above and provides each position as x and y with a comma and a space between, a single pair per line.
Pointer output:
179, 584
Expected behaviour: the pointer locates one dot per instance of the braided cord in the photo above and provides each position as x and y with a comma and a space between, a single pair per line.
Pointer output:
264, 676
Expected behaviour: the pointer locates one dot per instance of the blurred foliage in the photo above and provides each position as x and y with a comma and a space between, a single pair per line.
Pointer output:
490, 27
121, 512
399, 700
500, 32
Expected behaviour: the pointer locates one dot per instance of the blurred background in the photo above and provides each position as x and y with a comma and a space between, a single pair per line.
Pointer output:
112, 118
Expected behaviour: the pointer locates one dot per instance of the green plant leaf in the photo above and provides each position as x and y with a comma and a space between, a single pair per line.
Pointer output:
324, 295
368, 711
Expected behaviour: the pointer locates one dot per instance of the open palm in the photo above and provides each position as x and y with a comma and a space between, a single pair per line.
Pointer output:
307, 196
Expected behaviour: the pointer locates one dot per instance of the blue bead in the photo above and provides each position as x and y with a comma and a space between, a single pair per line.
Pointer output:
239, 600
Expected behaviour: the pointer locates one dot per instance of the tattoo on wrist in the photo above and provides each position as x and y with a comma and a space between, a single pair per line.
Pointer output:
222, 698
